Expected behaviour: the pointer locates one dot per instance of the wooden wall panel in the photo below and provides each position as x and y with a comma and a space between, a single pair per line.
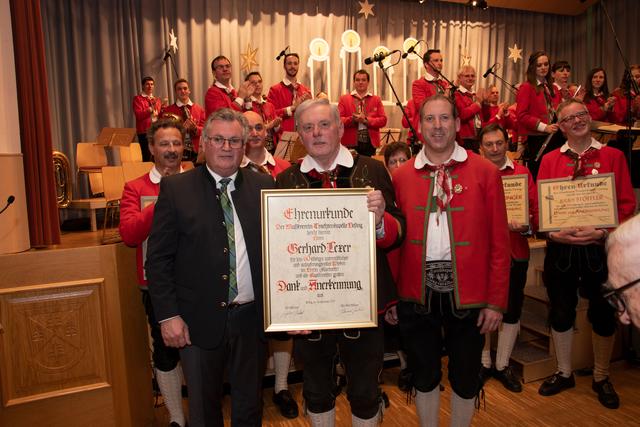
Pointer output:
56, 338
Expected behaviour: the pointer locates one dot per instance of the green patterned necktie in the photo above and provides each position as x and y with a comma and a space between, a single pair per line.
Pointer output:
228, 220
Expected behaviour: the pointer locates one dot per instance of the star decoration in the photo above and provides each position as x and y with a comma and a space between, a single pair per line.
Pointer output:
515, 53
465, 58
173, 42
249, 58
366, 8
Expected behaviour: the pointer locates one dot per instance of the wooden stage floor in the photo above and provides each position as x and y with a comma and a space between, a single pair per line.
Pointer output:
578, 407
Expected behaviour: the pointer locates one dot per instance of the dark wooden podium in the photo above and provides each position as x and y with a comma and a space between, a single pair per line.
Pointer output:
73, 339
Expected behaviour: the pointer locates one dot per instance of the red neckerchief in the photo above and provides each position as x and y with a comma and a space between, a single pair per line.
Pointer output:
443, 188
579, 160
328, 178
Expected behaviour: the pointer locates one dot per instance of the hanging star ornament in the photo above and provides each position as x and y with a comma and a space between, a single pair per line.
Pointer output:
366, 8
249, 58
515, 53
173, 41
465, 58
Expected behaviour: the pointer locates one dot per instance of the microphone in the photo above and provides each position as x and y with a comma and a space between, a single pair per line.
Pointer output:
411, 49
282, 53
167, 54
379, 57
489, 71
10, 200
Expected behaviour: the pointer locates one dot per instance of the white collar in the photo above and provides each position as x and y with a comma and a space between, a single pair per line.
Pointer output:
259, 100
219, 177
428, 77
508, 163
594, 144
155, 176
355, 93
541, 82
463, 89
459, 155
288, 82
268, 158
223, 87
180, 104
344, 158
144, 95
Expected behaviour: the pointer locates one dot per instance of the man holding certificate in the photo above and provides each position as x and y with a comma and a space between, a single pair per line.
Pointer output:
454, 263
329, 164
520, 196
575, 261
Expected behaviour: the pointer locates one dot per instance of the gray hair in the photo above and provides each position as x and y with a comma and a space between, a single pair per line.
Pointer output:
623, 247
335, 113
228, 115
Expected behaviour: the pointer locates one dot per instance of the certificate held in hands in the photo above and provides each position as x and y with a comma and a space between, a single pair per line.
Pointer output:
516, 196
319, 260
582, 202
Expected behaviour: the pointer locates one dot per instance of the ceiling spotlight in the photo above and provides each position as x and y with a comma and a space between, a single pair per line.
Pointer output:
482, 4
421, 1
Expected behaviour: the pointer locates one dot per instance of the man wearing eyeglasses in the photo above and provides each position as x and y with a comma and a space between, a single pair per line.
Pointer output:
221, 94
329, 164
204, 265
575, 260
622, 289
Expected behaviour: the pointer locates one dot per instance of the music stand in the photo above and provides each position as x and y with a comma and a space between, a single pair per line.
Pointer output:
290, 147
626, 141
116, 136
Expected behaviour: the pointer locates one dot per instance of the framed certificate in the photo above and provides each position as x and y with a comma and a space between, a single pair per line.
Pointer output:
585, 201
516, 196
319, 259
144, 202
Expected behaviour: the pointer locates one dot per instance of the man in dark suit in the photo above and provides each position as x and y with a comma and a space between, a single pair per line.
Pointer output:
204, 267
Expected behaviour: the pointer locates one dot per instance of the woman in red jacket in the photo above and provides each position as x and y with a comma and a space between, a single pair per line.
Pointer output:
597, 98
537, 101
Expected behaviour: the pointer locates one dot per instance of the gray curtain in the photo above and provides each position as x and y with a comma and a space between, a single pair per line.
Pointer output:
97, 51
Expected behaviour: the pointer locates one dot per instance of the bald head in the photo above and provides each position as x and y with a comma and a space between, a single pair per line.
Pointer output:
257, 131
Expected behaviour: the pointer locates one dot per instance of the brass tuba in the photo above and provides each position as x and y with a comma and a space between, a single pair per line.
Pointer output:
62, 179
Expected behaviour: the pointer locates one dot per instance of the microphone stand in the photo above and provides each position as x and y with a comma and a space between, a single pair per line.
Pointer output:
415, 147
173, 65
452, 88
512, 88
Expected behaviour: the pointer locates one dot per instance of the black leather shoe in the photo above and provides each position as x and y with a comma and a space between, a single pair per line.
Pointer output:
606, 393
285, 402
555, 384
485, 374
404, 380
508, 379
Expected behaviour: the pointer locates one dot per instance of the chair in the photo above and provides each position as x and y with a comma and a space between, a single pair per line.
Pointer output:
130, 153
113, 179
133, 170
90, 158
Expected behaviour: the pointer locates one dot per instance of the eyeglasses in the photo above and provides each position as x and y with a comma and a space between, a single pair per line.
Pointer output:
614, 296
222, 66
398, 161
218, 141
582, 115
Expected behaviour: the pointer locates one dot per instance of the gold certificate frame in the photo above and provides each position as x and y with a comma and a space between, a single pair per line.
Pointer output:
516, 195
319, 260
583, 202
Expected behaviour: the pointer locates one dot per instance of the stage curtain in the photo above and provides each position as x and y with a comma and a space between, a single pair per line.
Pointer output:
35, 131
97, 52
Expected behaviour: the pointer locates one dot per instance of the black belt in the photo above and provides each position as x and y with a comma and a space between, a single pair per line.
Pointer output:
234, 304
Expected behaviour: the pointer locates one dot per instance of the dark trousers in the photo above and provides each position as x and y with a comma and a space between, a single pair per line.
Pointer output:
534, 143
164, 358
243, 353
572, 270
361, 353
144, 147
425, 329
517, 281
